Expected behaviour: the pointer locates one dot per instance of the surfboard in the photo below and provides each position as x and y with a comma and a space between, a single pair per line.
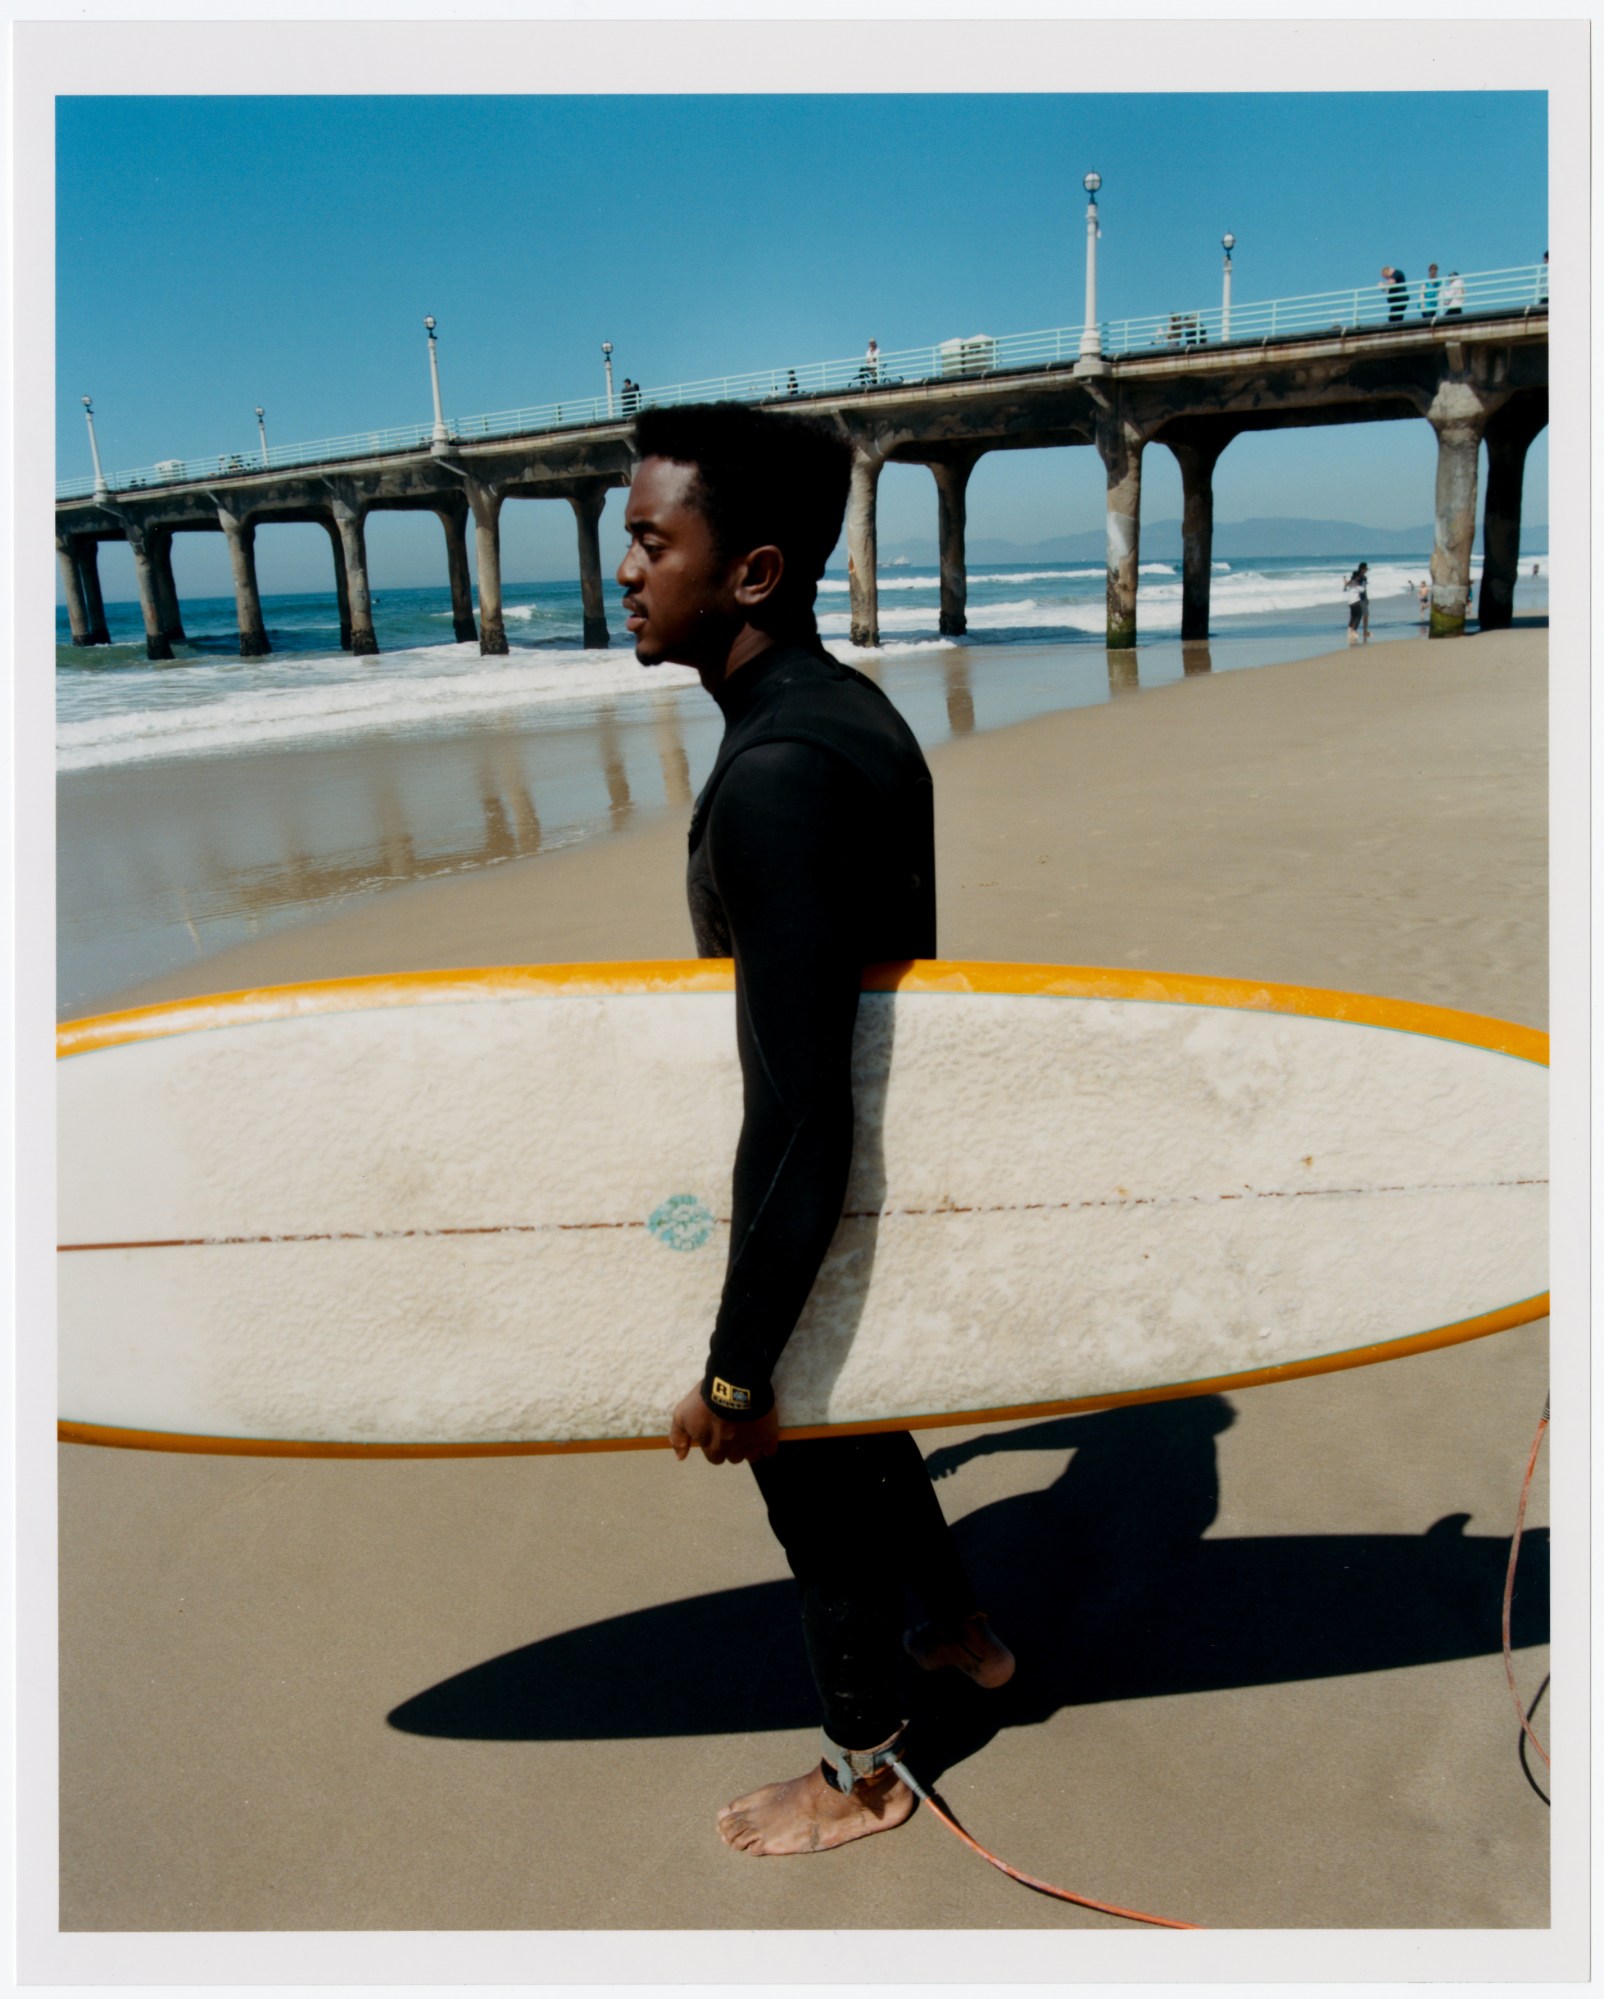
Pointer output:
460, 1212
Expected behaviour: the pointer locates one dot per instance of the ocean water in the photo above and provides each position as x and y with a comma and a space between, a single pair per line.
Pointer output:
210, 800
113, 706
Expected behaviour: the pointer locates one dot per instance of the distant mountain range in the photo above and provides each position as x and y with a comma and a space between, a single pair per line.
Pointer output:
1341, 541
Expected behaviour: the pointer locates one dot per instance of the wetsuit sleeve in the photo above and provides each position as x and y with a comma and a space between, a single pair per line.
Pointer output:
780, 842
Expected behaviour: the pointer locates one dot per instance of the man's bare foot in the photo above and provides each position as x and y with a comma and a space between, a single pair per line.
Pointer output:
974, 1648
808, 1815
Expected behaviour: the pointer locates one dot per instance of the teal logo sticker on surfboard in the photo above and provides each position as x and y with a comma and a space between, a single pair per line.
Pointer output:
681, 1222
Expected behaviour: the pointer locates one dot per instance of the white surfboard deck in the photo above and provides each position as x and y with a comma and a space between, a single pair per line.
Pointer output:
489, 1211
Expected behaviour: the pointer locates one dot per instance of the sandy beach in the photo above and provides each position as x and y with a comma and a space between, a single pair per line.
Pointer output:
1306, 1726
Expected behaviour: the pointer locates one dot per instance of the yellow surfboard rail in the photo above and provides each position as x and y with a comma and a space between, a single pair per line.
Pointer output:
716, 975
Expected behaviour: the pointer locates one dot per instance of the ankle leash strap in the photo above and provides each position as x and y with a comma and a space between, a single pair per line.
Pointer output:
854, 1765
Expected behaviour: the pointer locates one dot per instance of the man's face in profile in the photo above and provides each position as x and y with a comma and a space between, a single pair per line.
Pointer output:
677, 590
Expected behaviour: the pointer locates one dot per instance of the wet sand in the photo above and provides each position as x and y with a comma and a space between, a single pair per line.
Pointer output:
166, 862
1262, 1686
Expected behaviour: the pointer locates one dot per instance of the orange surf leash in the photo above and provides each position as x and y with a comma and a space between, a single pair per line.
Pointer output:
1029, 1880
1169, 1922
1509, 1587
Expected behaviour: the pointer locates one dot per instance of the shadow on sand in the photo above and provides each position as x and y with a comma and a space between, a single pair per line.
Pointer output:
1101, 1582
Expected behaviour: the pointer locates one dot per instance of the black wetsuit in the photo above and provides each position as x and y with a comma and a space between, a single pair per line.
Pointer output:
812, 854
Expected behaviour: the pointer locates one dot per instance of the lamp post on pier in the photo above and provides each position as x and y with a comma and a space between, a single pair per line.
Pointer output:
441, 437
94, 449
261, 425
607, 363
1227, 244
1091, 340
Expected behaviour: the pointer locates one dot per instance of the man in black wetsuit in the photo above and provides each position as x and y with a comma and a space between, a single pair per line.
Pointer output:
811, 855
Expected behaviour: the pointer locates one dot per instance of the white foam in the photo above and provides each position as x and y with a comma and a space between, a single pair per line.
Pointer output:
260, 717
977, 579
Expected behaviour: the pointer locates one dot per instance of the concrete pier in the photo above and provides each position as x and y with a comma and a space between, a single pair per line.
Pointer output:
1119, 445
485, 500
1458, 417
156, 646
863, 545
587, 505
72, 584
1509, 436
952, 487
1197, 451
354, 547
159, 542
1456, 373
342, 594
454, 520
94, 604
241, 538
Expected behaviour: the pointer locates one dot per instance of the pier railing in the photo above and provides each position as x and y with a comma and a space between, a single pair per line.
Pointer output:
1365, 308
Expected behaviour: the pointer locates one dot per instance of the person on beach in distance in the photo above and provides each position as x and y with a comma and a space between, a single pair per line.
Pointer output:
1359, 609
811, 855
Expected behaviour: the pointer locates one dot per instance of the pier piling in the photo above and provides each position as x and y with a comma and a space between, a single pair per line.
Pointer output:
241, 537
485, 500
1197, 452
1458, 417
94, 605
1119, 445
159, 541
587, 505
952, 510
454, 520
156, 646
348, 518
863, 546
72, 584
342, 594
1509, 436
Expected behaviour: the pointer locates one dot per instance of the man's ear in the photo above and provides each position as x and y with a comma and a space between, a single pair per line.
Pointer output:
758, 577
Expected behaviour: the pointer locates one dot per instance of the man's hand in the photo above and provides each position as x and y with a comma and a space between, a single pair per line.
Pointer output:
695, 1426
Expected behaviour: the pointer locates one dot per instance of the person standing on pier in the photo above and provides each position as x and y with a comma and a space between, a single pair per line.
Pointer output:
1396, 286
1428, 294
811, 855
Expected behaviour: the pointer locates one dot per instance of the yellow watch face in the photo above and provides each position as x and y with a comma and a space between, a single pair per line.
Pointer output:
729, 1397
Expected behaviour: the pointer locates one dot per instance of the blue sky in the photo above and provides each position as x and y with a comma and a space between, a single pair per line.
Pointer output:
215, 253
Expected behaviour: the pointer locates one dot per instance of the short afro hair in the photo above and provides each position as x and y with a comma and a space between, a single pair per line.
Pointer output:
761, 478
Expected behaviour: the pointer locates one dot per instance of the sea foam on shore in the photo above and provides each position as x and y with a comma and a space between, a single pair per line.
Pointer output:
116, 707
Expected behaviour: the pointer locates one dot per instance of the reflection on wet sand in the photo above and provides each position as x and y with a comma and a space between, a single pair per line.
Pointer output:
397, 855
512, 824
960, 696
619, 803
161, 865
671, 750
